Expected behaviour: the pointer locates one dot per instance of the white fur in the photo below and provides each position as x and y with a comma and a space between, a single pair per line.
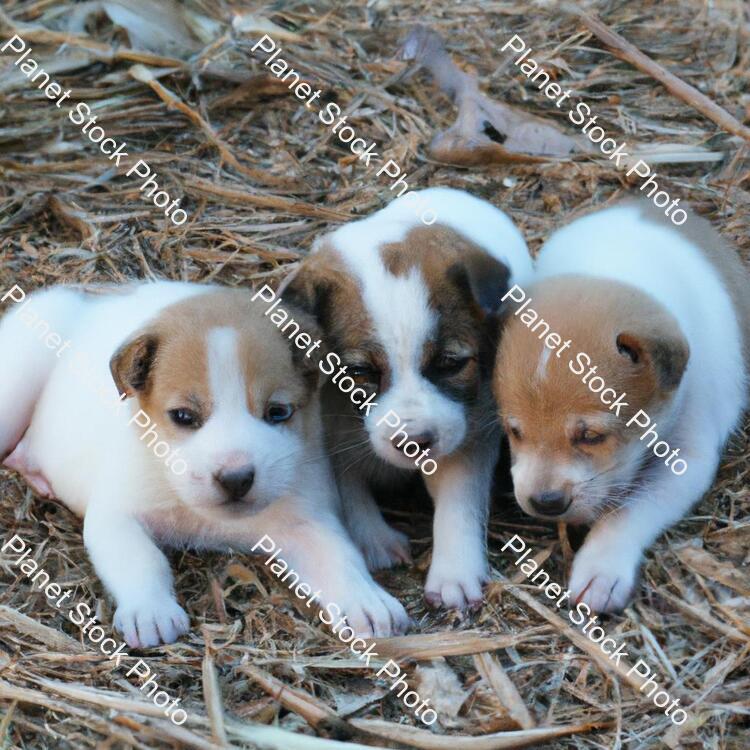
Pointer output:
541, 368
474, 218
403, 322
399, 307
619, 244
232, 438
78, 438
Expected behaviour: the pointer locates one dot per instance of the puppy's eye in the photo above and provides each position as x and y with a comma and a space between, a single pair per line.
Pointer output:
277, 413
184, 418
515, 431
589, 437
448, 363
364, 374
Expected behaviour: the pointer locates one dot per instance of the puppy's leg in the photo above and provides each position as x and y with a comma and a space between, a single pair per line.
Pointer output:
137, 574
605, 569
381, 545
460, 489
321, 552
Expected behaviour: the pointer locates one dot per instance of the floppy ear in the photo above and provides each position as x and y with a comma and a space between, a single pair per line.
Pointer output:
488, 279
667, 354
132, 363
308, 366
307, 290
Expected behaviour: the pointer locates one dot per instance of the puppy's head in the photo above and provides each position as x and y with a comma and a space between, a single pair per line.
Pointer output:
411, 318
222, 387
572, 457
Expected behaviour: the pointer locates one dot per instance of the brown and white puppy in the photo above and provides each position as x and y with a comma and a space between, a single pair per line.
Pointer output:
408, 312
215, 442
619, 419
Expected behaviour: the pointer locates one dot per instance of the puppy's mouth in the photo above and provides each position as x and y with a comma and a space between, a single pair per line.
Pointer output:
247, 506
548, 515
237, 507
408, 459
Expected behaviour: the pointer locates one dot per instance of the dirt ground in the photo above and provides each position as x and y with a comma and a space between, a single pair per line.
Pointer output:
259, 177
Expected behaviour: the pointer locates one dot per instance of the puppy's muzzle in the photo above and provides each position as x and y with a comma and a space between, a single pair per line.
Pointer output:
550, 503
236, 483
424, 440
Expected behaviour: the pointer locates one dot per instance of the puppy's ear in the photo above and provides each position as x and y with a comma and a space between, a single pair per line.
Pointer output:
487, 279
666, 353
308, 366
131, 365
306, 289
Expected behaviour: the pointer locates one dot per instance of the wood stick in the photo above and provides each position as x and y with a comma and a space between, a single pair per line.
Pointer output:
676, 86
144, 75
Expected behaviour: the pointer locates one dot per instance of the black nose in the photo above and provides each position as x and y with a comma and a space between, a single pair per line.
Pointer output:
550, 503
237, 482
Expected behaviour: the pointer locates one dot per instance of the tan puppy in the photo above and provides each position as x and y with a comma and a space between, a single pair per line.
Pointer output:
620, 377
215, 442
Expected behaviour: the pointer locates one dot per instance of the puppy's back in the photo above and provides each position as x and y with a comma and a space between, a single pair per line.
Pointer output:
690, 271
475, 219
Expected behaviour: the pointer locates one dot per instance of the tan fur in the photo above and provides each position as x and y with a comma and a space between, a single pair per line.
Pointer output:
448, 263
553, 404
323, 285
178, 375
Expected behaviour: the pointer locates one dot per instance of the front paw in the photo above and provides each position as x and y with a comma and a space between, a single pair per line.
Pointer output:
150, 621
604, 576
369, 610
384, 547
456, 583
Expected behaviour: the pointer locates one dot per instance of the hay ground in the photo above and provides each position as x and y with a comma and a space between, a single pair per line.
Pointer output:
259, 186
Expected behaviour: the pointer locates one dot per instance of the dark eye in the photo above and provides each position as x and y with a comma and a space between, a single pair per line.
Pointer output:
589, 437
277, 413
184, 417
363, 374
451, 363
515, 431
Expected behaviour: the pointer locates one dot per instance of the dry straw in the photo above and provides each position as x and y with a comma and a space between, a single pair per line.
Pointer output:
261, 178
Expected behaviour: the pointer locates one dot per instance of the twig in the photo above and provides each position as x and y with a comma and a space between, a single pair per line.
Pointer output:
496, 677
313, 711
422, 738
623, 49
144, 75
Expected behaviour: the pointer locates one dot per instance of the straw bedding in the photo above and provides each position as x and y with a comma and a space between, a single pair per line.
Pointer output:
261, 177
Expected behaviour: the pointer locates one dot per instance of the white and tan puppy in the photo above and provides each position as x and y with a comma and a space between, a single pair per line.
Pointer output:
662, 316
409, 311
215, 442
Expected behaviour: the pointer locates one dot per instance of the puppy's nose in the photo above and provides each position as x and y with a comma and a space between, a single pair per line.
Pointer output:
549, 503
424, 440
236, 482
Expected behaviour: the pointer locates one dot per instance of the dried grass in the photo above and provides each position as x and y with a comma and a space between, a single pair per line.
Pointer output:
261, 178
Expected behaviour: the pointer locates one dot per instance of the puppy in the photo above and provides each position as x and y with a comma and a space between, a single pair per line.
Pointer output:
408, 312
662, 314
239, 452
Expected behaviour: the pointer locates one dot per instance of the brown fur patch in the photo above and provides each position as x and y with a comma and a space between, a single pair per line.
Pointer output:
323, 286
177, 371
459, 276
549, 401
450, 264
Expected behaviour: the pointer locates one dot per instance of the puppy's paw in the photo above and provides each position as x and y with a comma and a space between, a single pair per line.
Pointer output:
374, 613
369, 610
384, 547
149, 622
604, 576
456, 584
